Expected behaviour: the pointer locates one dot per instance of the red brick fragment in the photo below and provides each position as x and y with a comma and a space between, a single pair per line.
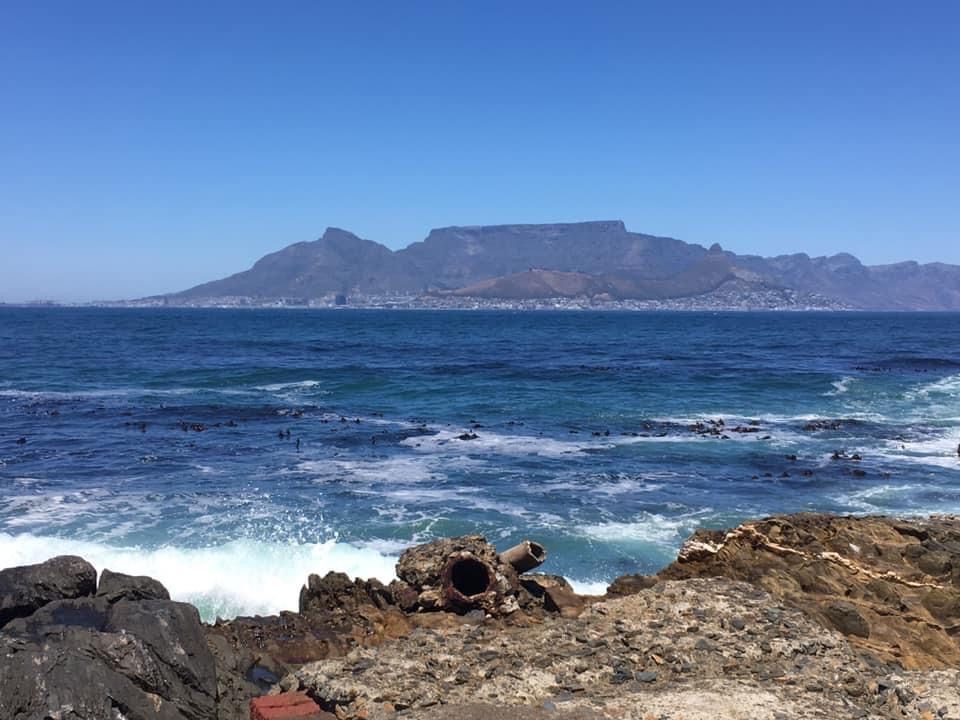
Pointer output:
287, 706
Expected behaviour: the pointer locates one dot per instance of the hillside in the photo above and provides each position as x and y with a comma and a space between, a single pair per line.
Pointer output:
599, 259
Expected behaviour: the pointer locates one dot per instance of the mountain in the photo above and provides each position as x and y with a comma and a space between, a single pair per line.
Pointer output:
339, 262
601, 260
540, 284
457, 256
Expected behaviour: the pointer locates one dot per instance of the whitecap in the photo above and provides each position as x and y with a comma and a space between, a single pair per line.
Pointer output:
241, 577
949, 386
449, 442
279, 387
939, 452
840, 386
877, 498
588, 587
649, 528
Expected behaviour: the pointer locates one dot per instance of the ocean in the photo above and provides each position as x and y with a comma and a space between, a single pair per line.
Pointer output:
230, 453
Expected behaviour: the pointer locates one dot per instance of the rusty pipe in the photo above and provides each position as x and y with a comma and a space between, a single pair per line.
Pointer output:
467, 581
525, 556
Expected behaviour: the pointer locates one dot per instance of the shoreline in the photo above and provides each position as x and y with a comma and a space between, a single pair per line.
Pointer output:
768, 612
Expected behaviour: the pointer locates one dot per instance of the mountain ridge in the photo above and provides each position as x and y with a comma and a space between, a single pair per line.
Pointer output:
597, 259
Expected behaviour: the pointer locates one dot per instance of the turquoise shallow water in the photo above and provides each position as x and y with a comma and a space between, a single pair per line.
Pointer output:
165, 442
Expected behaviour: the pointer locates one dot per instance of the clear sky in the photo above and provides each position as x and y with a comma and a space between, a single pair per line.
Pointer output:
147, 147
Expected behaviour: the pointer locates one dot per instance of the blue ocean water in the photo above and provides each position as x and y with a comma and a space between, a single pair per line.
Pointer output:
230, 453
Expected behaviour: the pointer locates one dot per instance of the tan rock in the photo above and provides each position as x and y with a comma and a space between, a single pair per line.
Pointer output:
888, 584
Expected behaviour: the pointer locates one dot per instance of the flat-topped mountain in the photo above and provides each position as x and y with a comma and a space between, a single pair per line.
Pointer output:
599, 260
455, 256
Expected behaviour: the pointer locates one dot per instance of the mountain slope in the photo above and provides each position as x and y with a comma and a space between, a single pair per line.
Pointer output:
339, 262
589, 259
539, 284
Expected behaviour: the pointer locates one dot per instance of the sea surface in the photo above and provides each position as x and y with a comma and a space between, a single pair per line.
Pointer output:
230, 453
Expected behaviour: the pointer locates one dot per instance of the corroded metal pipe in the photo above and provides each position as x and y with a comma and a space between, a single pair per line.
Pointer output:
525, 556
467, 581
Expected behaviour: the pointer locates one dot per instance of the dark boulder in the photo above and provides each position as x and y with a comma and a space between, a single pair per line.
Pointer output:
117, 586
403, 596
847, 619
27, 588
237, 678
173, 635
56, 616
88, 659
335, 591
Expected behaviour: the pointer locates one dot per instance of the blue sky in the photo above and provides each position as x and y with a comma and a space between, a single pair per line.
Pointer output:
147, 147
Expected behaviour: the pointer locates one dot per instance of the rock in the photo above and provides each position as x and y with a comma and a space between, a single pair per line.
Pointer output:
172, 634
847, 619
117, 586
623, 657
486, 711
236, 683
630, 584
288, 638
537, 583
563, 600
943, 604
935, 563
26, 588
403, 596
890, 585
336, 592
88, 659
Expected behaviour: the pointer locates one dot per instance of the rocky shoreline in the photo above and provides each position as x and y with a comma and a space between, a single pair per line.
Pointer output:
800, 616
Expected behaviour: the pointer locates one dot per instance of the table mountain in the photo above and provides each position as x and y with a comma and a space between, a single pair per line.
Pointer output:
599, 259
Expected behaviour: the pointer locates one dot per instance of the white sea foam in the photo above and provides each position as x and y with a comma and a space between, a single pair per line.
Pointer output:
279, 387
419, 495
650, 528
588, 587
940, 452
239, 577
733, 418
58, 509
949, 386
840, 386
57, 395
121, 392
413, 469
448, 443
407, 470
877, 498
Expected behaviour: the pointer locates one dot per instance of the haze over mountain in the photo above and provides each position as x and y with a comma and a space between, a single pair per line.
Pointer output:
600, 260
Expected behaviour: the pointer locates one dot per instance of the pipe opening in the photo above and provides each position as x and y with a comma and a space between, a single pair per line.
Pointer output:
469, 577
538, 551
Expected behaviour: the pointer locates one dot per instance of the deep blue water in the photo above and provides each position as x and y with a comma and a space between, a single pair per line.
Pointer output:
155, 441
